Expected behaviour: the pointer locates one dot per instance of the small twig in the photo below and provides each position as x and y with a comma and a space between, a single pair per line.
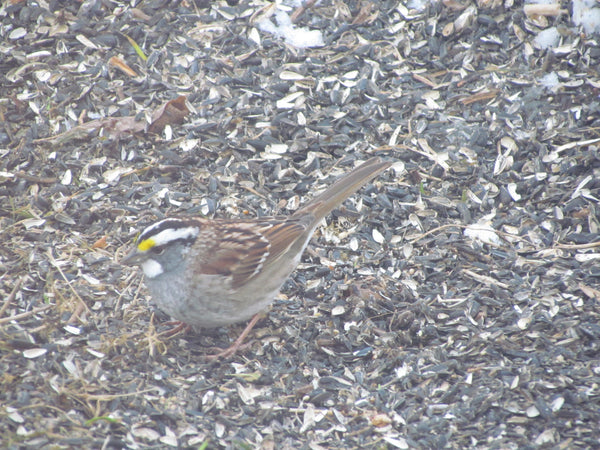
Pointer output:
75, 315
544, 10
435, 230
37, 329
488, 281
34, 179
300, 10
480, 97
11, 297
25, 314
577, 246
426, 81
255, 192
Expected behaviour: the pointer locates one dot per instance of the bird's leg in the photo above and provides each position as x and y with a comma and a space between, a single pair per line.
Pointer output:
179, 327
238, 342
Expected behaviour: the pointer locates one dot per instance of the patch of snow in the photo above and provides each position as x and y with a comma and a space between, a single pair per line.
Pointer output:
586, 15
299, 37
547, 38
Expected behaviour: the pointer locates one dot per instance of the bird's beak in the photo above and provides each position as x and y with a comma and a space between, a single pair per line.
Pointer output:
133, 258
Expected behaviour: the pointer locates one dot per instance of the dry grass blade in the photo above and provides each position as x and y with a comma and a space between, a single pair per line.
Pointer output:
83, 306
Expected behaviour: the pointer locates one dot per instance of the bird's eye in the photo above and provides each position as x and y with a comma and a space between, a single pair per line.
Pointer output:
158, 250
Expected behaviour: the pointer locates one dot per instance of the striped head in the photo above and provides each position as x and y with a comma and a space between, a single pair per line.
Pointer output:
162, 246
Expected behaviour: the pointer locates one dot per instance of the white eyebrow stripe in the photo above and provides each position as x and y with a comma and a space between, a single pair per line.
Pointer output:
172, 221
173, 234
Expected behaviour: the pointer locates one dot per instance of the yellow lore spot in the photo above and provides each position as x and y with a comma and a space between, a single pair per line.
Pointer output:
146, 245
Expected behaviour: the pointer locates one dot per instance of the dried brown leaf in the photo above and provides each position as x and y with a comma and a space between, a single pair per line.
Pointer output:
100, 243
171, 113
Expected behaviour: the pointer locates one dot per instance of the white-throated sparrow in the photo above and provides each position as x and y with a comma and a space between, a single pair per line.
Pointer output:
215, 272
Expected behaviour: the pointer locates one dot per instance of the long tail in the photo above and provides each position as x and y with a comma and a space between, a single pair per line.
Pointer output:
343, 188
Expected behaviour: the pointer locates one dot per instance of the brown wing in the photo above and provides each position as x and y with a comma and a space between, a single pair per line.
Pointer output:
242, 249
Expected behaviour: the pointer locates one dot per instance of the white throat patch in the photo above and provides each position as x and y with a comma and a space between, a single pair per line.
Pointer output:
152, 268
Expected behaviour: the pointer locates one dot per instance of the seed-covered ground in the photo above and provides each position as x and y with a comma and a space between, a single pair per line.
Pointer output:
451, 303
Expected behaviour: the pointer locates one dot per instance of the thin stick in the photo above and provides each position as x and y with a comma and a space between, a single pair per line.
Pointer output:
300, 10
11, 297
25, 314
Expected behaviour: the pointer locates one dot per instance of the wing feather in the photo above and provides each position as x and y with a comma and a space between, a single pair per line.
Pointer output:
242, 249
